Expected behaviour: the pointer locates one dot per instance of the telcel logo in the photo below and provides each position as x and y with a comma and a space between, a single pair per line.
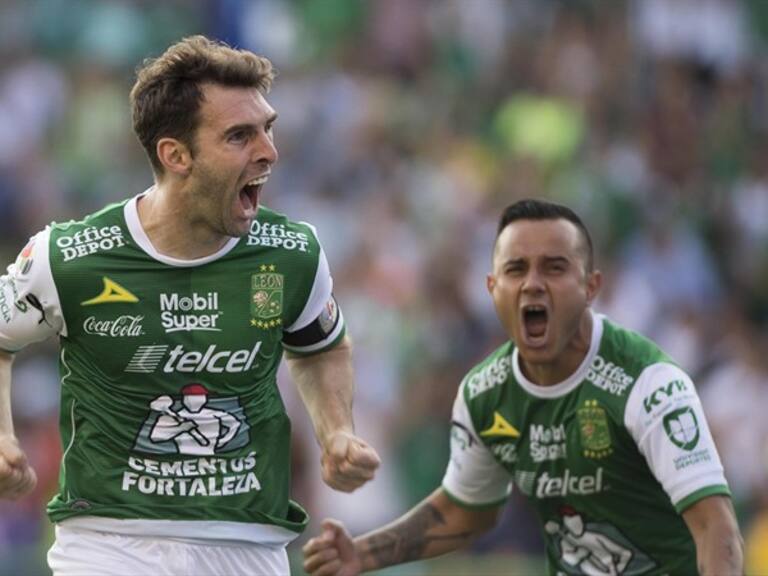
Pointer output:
211, 361
556, 486
190, 313
146, 360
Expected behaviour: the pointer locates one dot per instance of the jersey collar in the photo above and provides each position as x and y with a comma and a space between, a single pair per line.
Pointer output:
570, 383
131, 213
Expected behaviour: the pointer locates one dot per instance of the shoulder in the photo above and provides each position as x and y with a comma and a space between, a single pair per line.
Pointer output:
100, 231
661, 388
272, 229
484, 382
622, 357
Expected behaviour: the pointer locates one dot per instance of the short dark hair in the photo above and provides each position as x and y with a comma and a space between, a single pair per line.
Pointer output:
167, 95
534, 209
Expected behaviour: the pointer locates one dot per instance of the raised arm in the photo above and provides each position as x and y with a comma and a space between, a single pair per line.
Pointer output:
17, 478
719, 546
326, 384
434, 527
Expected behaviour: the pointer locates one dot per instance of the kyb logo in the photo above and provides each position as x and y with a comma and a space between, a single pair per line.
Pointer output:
122, 327
277, 236
198, 312
609, 377
547, 442
89, 241
662, 393
561, 486
147, 359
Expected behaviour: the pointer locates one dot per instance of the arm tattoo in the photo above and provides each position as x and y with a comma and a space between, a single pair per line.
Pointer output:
407, 540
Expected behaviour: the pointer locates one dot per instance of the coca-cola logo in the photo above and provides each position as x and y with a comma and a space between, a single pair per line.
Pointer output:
122, 327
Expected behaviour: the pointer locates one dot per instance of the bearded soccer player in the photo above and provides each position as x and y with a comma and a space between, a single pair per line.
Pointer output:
593, 423
173, 310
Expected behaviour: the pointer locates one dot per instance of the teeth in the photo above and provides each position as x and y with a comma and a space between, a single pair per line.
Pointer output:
258, 181
534, 308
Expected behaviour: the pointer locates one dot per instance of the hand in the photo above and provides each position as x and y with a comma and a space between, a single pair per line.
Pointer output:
17, 478
332, 553
348, 462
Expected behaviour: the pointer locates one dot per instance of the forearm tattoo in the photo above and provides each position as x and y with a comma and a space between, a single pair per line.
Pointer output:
408, 540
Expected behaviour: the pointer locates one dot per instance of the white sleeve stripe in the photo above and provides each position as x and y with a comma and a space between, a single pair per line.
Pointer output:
55, 300
322, 288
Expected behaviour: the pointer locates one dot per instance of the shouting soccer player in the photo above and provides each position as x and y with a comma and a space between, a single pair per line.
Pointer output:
595, 424
173, 310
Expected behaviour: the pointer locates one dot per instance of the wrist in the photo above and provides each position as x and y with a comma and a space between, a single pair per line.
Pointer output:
367, 560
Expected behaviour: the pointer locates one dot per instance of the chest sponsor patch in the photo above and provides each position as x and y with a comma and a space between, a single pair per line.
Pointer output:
151, 358
202, 430
277, 236
125, 326
90, 241
196, 312
608, 376
111, 293
547, 442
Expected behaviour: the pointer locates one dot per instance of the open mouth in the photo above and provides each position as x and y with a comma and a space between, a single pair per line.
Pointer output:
535, 323
249, 194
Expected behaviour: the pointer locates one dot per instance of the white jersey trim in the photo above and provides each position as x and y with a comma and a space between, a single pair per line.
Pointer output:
267, 534
20, 328
322, 288
662, 403
573, 381
131, 213
473, 475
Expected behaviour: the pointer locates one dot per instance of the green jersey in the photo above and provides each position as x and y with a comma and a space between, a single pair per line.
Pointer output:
609, 458
171, 420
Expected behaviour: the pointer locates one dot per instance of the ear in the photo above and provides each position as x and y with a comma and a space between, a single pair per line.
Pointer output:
594, 283
490, 283
175, 156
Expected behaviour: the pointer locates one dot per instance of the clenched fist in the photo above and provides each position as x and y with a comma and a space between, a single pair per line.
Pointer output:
17, 478
332, 553
348, 462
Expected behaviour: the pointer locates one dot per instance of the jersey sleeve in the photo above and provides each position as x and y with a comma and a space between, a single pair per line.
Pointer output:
30, 310
320, 324
473, 476
666, 420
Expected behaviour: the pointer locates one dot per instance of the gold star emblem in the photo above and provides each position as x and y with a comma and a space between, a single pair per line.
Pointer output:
271, 267
263, 267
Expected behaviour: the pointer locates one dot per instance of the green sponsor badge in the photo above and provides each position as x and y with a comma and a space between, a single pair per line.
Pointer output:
593, 430
682, 428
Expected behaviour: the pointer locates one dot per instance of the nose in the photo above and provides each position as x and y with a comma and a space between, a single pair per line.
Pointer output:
265, 151
533, 281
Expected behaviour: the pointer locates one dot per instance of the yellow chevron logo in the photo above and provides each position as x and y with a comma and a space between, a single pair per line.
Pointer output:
112, 293
500, 427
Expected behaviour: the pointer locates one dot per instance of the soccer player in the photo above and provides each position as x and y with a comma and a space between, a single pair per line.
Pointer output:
598, 427
173, 310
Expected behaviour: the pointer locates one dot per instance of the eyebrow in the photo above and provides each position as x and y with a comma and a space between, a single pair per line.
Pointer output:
547, 260
249, 126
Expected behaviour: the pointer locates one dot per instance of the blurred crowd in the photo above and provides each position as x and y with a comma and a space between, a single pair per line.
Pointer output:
405, 127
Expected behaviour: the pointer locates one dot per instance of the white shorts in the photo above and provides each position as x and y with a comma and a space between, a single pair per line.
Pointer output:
81, 552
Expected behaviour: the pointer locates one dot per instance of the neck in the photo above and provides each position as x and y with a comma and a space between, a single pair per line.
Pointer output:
568, 361
169, 222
